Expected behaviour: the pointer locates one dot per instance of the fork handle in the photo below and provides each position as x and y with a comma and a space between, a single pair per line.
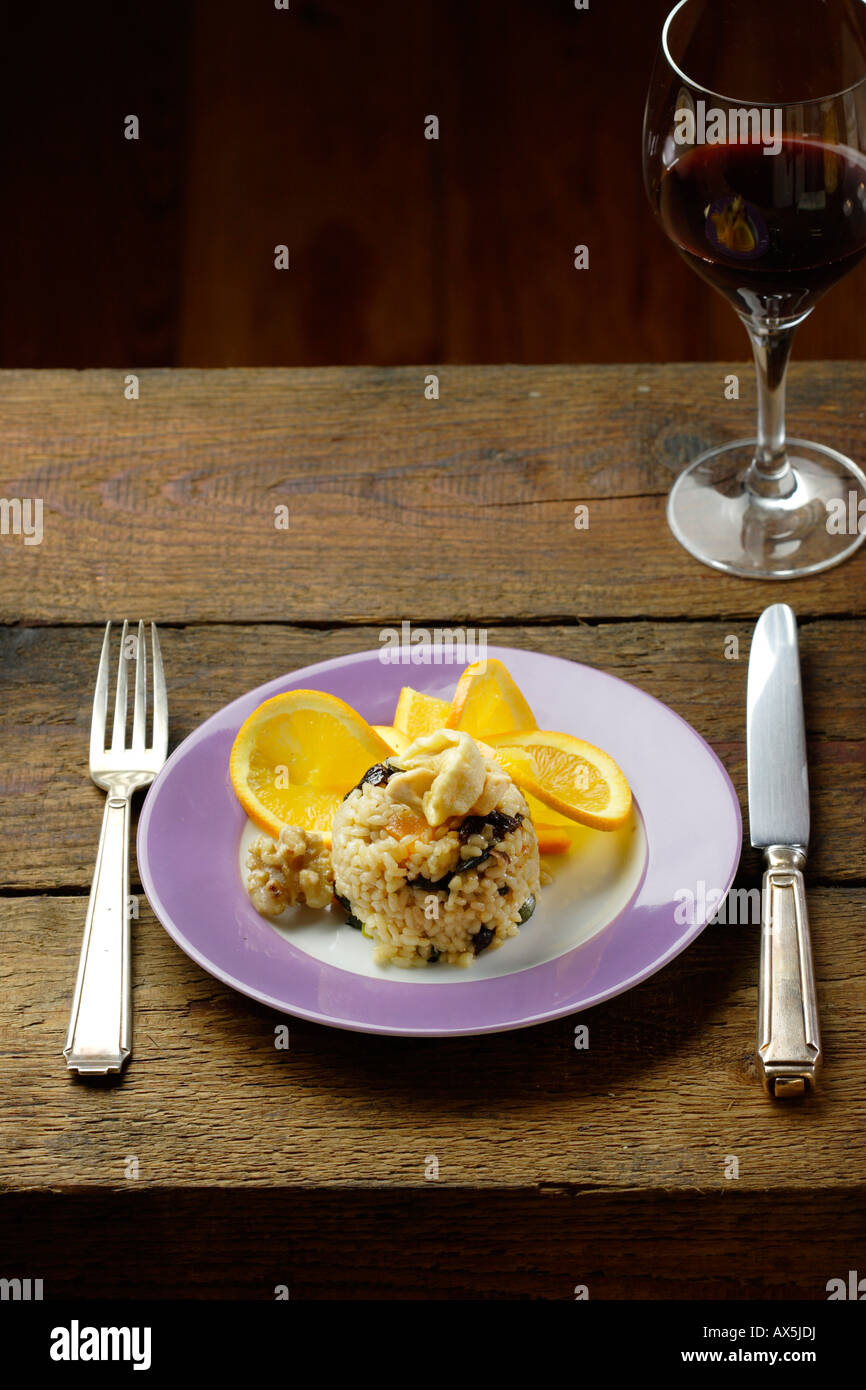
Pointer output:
789, 1042
100, 1026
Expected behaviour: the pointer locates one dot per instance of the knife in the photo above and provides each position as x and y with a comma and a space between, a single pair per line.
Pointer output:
789, 1043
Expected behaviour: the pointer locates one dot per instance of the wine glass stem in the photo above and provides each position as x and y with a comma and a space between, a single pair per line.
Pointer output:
771, 475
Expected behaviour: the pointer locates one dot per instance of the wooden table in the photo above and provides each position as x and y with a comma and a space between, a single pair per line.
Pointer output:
306, 1168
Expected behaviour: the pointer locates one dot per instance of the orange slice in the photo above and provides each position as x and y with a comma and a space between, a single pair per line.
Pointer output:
418, 714
576, 780
488, 702
297, 755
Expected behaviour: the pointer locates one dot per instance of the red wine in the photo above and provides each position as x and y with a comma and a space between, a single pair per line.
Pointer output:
772, 232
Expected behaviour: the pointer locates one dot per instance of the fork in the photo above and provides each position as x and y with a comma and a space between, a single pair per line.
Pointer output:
100, 1025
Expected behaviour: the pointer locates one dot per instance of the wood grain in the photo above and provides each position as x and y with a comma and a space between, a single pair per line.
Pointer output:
52, 812
305, 127
661, 1099
442, 1244
91, 240
307, 130
399, 507
456, 250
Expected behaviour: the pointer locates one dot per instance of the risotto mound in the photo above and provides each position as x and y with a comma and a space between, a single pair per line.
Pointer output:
434, 853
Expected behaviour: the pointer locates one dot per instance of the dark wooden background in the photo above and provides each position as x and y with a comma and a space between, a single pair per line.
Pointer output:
306, 127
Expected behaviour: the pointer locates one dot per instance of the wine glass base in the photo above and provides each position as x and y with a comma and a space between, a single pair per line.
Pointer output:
725, 526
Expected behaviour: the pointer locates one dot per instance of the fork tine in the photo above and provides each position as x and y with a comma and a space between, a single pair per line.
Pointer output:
100, 701
118, 733
139, 713
160, 700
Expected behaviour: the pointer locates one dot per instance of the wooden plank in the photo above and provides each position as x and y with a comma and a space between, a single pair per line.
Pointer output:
431, 1244
306, 126
166, 505
541, 151
92, 229
307, 130
460, 249
47, 674
532, 166
661, 1101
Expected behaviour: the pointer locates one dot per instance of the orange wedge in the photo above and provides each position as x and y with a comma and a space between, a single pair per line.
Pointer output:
397, 741
488, 702
297, 755
418, 714
552, 839
576, 780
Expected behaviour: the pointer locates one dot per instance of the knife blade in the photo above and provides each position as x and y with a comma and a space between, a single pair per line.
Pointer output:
789, 1044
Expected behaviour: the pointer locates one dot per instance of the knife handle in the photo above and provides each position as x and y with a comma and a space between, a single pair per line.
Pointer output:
789, 1043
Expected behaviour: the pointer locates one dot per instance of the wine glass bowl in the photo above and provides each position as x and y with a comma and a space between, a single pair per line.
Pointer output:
755, 165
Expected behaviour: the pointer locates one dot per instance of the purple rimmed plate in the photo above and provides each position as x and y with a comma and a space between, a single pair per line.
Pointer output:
618, 908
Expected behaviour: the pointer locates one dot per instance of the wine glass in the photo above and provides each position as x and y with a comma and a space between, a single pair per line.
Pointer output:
753, 151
